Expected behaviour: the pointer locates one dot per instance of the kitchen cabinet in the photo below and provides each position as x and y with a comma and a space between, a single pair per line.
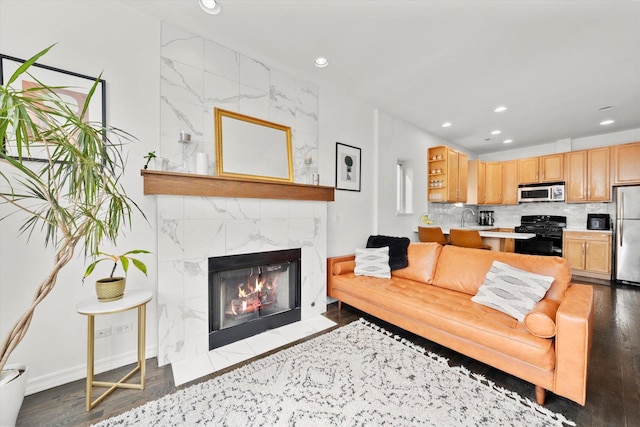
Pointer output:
476, 182
447, 177
493, 183
548, 168
510, 182
626, 158
587, 174
588, 253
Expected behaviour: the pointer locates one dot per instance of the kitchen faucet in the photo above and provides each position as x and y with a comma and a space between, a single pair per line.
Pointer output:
462, 216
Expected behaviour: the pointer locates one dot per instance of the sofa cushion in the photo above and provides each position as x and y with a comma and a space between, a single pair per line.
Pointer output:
423, 258
344, 267
373, 262
511, 290
464, 269
448, 311
397, 249
540, 321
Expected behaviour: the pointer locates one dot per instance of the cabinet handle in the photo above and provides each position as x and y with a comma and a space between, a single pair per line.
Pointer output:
583, 243
587, 246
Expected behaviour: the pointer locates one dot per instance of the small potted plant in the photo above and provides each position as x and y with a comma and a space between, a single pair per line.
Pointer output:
112, 288
149, 156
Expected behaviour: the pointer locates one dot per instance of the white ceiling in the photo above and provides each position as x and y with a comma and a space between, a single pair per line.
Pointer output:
553, 63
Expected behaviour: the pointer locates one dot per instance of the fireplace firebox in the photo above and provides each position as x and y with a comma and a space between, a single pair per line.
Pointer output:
252, 293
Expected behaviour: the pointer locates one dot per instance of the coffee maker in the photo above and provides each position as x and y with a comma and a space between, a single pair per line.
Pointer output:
482, 218
490, 219
485, 218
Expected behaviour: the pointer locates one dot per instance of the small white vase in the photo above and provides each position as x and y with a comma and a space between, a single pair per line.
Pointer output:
160, 163
12, 395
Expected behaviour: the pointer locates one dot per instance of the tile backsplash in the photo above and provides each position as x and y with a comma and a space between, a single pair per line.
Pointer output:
509, 215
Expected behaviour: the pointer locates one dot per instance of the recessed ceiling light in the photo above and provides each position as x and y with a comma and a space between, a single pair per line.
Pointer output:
500, 109
446, 125
210, 6
496, 132
321, 62
605, 107
607, 122
507, 141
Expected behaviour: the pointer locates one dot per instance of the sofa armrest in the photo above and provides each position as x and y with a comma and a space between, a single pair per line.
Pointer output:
334, 267
574, 335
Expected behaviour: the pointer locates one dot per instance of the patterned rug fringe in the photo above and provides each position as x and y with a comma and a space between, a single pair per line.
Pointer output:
531, 405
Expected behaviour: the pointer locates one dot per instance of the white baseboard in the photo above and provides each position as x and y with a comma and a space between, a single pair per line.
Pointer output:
54, 379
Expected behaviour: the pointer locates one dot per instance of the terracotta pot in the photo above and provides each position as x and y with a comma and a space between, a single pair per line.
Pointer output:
12, 394
110, 288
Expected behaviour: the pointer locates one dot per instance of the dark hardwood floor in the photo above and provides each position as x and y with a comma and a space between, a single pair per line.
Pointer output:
613, 397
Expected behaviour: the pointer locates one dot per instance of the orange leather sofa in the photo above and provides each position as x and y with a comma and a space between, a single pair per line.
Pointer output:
432, 298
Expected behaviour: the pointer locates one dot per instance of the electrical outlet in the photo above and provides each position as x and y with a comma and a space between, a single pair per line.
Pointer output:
121, 329
101, 333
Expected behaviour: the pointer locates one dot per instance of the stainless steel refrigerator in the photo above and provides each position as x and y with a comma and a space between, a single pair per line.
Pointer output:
627, 244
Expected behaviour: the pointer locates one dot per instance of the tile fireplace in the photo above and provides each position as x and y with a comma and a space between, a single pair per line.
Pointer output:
252, 293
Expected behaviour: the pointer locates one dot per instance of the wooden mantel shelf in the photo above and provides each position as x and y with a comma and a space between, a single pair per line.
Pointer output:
186, 184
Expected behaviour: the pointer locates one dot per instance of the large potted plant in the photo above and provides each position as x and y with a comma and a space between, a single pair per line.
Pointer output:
74, 195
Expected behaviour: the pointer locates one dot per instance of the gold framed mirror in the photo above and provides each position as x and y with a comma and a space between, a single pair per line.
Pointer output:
248, 147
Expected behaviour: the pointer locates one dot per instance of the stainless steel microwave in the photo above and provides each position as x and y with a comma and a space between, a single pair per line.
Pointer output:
546, 192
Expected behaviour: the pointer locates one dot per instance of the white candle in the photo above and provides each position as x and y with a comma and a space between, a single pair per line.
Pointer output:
202, 163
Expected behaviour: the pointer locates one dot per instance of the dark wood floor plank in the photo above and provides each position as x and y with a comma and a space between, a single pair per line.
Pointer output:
612, 397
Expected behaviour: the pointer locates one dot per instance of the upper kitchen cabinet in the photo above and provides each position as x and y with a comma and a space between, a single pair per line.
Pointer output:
447, 177
476, 182
587, 175
626, 161
510, 182
493, 183
548, 168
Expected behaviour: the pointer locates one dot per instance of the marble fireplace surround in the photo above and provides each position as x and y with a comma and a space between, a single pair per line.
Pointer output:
193, 228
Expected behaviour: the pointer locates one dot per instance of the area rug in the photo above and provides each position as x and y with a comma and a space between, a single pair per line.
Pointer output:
356, 375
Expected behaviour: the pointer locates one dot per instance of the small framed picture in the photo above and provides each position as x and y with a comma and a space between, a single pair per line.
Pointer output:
72, 88
348, 167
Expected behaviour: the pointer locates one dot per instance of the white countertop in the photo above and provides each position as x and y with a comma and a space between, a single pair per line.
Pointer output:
485, 233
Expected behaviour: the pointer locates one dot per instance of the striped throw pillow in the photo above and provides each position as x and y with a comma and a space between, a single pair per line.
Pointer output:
373, 262
511, 290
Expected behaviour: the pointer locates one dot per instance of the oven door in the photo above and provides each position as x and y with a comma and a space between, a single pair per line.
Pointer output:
539, 246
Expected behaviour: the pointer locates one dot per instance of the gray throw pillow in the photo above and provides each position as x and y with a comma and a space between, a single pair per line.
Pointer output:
373, 262
511, 290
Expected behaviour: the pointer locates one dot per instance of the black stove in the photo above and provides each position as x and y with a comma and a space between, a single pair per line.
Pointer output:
548, 231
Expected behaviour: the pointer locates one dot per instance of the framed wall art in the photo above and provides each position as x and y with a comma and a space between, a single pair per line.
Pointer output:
71, 87
348, 167
252, 148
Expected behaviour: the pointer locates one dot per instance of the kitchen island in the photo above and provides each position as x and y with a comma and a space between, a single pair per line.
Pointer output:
491, 235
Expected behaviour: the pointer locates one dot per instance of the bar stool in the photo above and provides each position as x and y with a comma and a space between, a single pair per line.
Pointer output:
467, 239
432, 234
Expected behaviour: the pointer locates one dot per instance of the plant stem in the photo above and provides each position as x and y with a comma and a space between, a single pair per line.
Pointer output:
19, 329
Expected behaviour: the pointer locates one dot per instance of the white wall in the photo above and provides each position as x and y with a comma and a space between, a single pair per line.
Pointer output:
350, 218
561, 146
399, 140
123, 44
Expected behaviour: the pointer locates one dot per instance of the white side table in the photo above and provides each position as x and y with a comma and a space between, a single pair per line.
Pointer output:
91, 307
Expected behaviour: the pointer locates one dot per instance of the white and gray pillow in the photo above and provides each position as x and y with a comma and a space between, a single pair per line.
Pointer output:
373, 262
511, 290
